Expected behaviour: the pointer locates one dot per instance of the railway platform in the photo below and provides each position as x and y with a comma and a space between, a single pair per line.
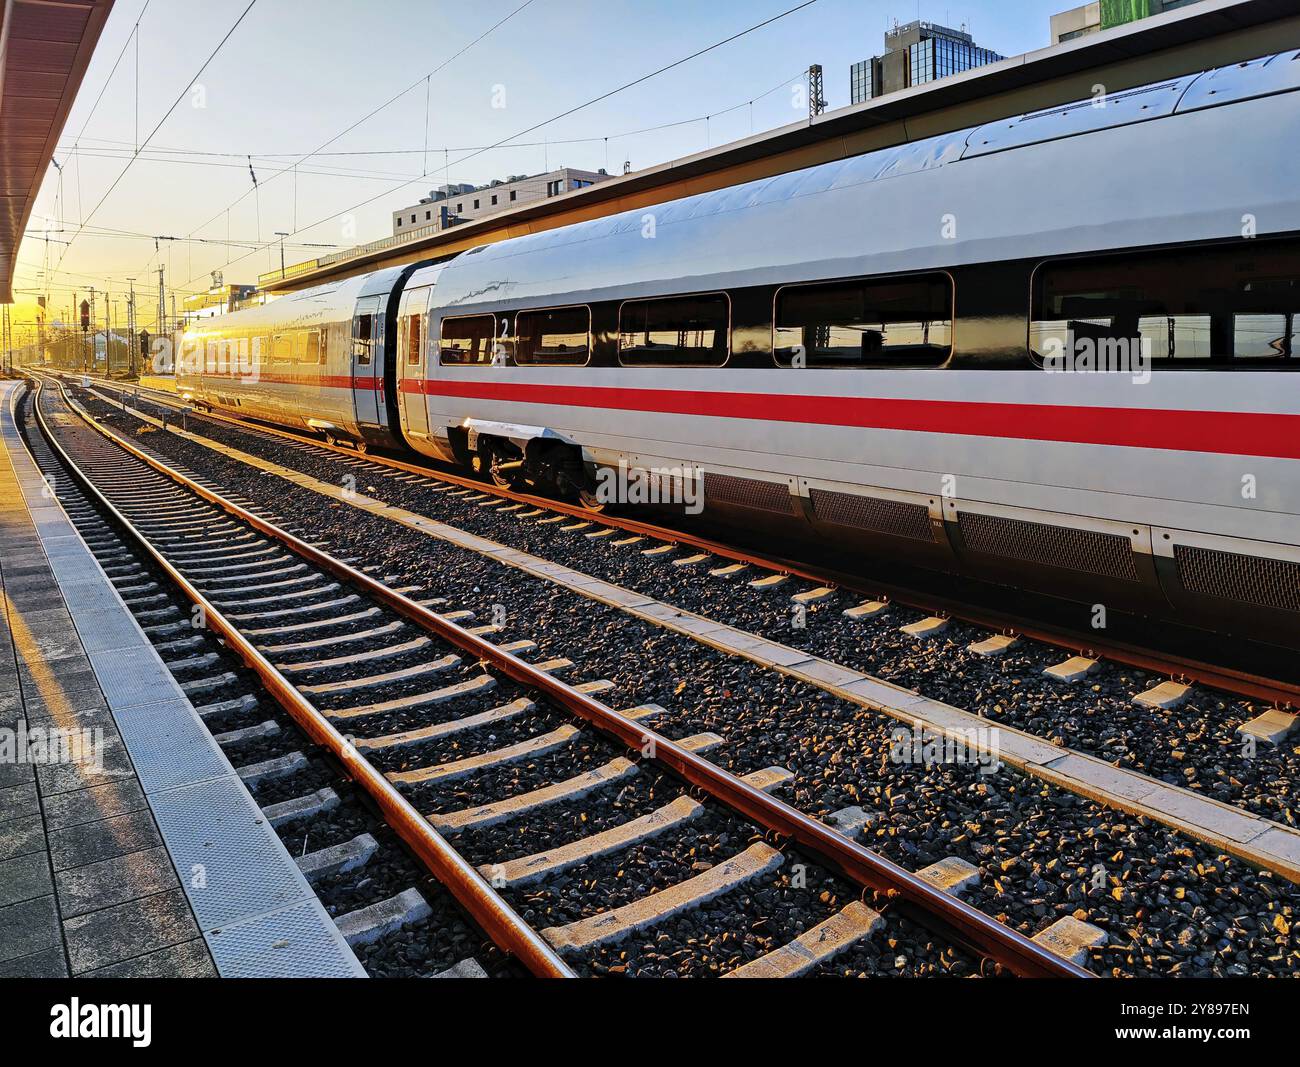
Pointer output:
129, 847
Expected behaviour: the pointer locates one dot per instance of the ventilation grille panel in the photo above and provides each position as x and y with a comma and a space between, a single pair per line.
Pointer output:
868, 513
1270, 583
1087, 551
748, 493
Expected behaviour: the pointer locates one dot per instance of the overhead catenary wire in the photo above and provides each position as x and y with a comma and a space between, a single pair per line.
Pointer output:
555, 118
166, 115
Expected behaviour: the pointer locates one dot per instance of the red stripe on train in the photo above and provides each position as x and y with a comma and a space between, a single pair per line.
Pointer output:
1220, 432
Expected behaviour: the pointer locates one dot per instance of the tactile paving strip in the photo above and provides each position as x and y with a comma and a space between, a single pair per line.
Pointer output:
291, 943
233, 863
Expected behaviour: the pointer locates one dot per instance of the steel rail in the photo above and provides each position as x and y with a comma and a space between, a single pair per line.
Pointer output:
502, 924
1242, 683
952, 917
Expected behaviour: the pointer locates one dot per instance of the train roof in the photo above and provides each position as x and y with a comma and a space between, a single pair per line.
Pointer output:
1170, 162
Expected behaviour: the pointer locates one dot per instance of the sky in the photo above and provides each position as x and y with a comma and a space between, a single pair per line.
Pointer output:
296, 74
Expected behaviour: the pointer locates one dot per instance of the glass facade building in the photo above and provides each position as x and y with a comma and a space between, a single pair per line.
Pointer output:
919, 52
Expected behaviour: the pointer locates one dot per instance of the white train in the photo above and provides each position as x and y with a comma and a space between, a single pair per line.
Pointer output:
896, 353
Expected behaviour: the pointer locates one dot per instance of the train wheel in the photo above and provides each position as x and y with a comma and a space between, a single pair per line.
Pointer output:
363, 447
331, 440
590, 501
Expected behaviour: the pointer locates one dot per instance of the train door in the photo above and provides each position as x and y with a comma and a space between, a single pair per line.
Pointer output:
368, 362
413, 350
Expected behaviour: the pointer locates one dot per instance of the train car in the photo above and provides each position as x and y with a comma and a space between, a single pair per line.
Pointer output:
319, 360
1057, 350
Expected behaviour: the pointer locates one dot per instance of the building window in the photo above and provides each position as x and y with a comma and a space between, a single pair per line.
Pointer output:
677, 331
460, 208
513, 194
412, 220
475, 205
467, 340
428, 215
1232, 305
399, 222
494, 199
558, 337
863, 323
555, 188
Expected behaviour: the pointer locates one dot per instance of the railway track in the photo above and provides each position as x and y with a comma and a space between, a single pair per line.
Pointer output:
1252, 684
1164, 731
468, 741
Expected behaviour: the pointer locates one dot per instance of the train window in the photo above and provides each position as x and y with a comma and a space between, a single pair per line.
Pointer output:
557, 337
675, 331
898, 322
313, 347
413, 328
1229, 305
365, 326
468, 340
283, 350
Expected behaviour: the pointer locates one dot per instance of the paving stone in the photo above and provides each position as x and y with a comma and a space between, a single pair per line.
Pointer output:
91, 805
91, 842
19, 801
112, 881
18, 837
189, 959
47, 963
24, 878
28, 926
68, 777
125, 931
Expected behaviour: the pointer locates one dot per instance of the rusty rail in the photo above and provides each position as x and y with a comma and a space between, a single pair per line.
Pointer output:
506, 929
952, 917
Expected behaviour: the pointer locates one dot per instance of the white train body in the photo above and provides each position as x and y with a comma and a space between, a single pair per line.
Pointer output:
914, 292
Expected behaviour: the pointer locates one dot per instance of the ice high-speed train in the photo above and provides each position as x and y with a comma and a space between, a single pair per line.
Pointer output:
895, 353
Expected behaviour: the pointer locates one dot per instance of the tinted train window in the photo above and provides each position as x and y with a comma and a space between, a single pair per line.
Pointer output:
365, 325
899, 322
678, 331
1231, 305
468, 340
413, 327
558, 337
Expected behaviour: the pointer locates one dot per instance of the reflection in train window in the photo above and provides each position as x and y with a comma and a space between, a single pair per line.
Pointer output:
558, 337
895, 322
467, 340
312, 355
283, 351
677, 331
1230, 305
364, 327
412, 338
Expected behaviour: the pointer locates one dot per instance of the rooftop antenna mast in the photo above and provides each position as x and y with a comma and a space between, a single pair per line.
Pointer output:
816, 101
